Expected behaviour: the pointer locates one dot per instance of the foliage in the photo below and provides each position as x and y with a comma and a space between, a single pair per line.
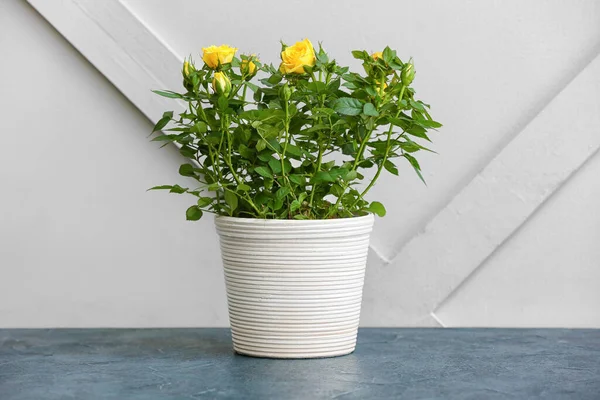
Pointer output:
300, 144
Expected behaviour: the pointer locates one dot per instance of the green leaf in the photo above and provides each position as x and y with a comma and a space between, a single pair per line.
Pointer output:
274, 145
297, 179
349, 148
401, 122
354, 77
360, 54
168, 93
242, 187
204, 201
337, 172
231, 199
186, 170
187, 151
282, 192
277, 204
275, 78
194, 213
200, 127
317, 87
246, 152
415, 164
427, 123
287, 166
324, 110
178, 189
162, 187
418, 131
252, 86
350, 176
388, 55
317, 127
294, 150
348, 106
395, 64
336, 190
333, 85
370, 110
265, 156
377, 208
295, 205
323, 176
322, 57
161, 123
275, 165
417, 105
352, 86
165, 138
409, 146
390, 167
263, 171
260, 145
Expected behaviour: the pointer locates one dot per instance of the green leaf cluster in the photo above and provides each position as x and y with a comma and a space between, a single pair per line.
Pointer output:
295, 146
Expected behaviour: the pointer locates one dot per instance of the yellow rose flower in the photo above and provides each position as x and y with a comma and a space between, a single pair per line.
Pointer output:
378, 88
186, 68
294, 58
221, 84
214, 56
377, 55
248, 67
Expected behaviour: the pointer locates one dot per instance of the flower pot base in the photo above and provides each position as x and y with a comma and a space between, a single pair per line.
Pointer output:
296, 356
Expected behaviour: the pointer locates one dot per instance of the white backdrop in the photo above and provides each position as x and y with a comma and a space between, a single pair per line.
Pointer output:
505, 234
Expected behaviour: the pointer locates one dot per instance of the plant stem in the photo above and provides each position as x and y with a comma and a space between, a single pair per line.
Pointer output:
379, 169
216, 170
286, 129
202, 112
321, 149
387, 151
244, 94
361, 149
227, 159
319, 160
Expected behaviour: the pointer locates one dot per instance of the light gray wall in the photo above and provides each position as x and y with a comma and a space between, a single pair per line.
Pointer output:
548, 273
83, 244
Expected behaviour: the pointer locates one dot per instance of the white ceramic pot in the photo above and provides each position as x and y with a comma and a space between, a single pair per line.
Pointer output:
294, 287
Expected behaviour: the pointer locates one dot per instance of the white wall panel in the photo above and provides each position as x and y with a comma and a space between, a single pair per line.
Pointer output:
548, 273
85, 245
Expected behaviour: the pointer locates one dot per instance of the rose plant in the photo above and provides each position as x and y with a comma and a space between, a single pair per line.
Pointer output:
308, 143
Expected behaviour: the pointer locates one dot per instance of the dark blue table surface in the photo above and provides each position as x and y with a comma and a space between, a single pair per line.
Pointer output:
388, 364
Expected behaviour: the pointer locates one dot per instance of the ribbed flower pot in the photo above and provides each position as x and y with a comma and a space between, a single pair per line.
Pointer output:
294, 287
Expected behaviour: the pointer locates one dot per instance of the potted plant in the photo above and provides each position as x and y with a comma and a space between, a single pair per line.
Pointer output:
286, 166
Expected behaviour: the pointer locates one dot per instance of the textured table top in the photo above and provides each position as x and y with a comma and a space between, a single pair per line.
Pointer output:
388, 364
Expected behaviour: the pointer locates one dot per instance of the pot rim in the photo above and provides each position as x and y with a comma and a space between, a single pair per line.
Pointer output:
262, 221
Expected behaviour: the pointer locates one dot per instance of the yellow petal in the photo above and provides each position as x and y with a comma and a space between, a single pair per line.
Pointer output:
377, 55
